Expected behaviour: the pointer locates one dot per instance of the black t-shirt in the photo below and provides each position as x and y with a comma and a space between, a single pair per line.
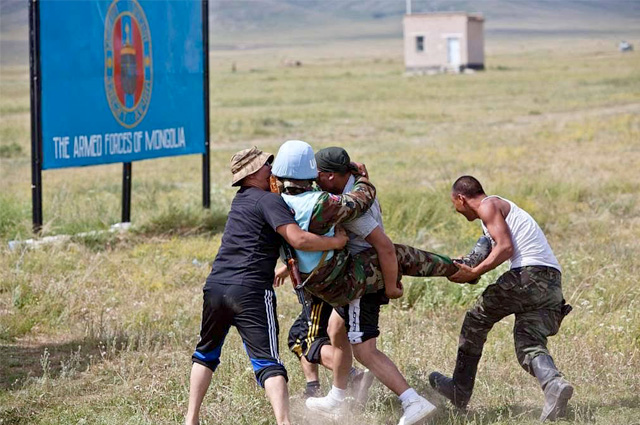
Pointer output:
250, 244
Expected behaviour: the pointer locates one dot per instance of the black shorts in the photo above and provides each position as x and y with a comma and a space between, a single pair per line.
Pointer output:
361, 316
253, 312
307, 341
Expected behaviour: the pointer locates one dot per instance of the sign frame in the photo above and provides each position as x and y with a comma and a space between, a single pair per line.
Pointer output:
36, 122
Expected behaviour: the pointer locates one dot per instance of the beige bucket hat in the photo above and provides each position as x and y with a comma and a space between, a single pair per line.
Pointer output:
247, 162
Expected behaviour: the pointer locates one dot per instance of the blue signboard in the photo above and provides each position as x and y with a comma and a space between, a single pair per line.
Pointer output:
120, 81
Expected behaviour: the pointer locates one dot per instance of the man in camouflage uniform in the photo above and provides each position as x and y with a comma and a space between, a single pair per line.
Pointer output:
350, 277
343, 278
531, 290
296, 160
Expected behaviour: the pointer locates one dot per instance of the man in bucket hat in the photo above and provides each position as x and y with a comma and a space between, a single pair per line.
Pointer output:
239, 289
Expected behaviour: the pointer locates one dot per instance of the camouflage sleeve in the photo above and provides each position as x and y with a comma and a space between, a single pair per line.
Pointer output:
335, 209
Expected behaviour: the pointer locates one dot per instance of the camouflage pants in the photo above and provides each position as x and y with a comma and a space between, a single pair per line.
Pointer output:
350, 277
534, 295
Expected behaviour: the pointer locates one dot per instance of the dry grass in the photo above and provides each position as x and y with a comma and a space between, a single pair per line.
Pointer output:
100, 329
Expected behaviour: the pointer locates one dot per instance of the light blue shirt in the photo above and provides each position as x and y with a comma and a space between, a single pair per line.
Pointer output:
302, 205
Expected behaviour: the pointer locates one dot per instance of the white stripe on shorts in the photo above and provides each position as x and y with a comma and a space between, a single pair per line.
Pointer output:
271, 322
355, 335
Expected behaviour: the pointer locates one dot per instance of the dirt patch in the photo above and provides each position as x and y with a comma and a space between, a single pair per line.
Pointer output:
27, 359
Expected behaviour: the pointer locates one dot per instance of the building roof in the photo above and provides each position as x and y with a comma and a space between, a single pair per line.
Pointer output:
470, 16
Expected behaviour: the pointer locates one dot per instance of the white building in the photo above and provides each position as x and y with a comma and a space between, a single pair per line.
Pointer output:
451, 41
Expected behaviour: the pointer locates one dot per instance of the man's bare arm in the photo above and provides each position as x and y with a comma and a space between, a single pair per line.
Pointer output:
388, 261
491, 215
493, 219
305, 241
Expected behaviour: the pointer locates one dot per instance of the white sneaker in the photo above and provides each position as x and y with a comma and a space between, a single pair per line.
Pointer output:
327, 406
415, 410
361, 387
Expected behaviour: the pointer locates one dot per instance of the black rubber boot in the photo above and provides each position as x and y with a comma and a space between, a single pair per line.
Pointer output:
478, 254
459, 388
557, 391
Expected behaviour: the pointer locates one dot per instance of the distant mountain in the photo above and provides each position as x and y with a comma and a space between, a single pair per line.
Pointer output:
234, 14
247, 23
273, 20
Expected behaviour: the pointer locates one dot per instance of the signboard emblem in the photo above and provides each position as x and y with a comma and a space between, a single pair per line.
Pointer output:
128, 64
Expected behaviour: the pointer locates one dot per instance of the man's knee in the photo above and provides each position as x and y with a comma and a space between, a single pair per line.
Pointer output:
209, 359
364, 351
336, 326
336, 332
475, 321
480, 316
270, 371
530, 336
314, 352
473, 335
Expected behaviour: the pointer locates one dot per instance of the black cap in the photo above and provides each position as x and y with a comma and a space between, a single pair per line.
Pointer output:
333, 160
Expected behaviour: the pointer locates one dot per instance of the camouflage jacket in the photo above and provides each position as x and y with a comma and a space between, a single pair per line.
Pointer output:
331, 210
335, 209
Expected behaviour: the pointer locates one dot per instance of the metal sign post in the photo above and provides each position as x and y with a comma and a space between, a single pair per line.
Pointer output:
206, 178
36, 129
126, 192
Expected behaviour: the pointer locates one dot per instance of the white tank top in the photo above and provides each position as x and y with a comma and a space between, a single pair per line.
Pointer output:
530, 246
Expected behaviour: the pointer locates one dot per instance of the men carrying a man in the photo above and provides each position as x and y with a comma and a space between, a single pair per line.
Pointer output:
531, 290
339, 278
239, 289
311, 342
362, 315
319, 212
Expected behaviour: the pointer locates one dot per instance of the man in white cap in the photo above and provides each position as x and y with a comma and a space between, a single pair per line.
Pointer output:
239, 289
352, 284
296, 161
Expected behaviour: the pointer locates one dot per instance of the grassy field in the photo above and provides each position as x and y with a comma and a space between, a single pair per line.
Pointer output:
99, 329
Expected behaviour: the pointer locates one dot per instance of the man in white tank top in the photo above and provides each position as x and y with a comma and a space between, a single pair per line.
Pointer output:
531, 290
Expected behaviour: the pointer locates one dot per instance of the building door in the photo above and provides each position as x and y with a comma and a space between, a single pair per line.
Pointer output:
453, 51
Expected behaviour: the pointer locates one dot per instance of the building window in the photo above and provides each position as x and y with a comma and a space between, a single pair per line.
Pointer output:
420, 43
